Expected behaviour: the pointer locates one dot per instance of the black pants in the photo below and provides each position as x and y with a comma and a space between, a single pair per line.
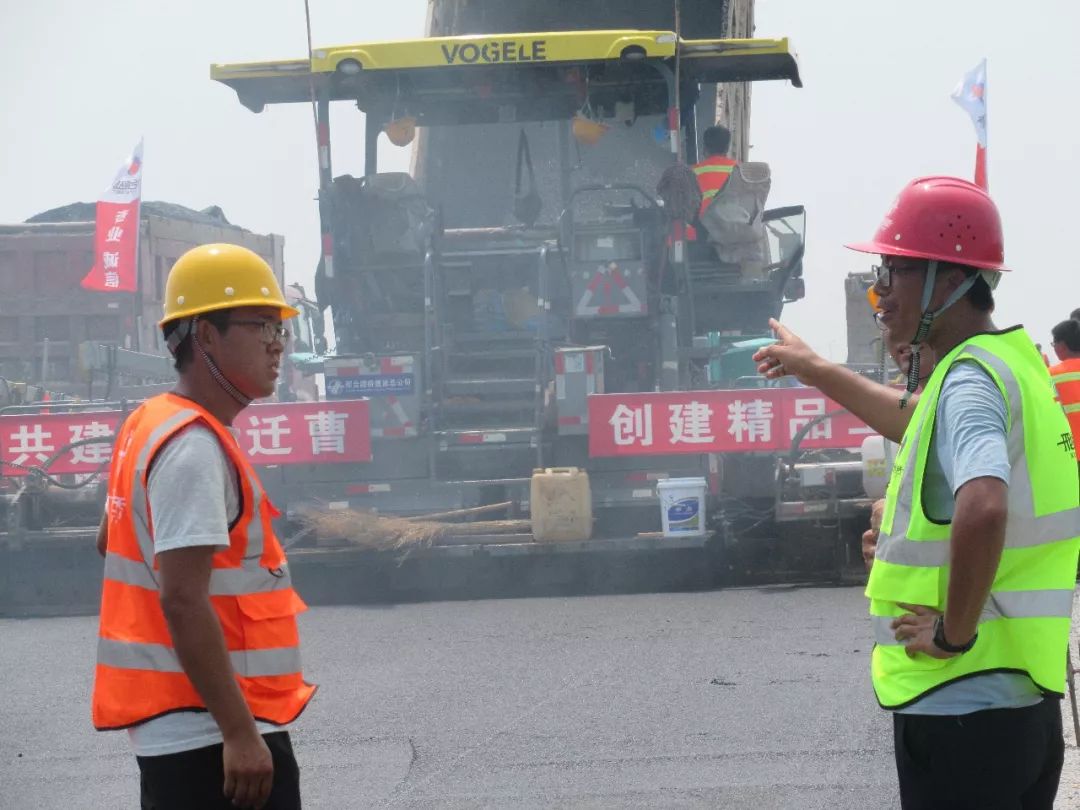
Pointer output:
999, 759
194, 780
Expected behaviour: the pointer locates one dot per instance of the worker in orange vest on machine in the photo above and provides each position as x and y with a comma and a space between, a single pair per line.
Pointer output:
198, 650
712, 175
1066, 374
713, 172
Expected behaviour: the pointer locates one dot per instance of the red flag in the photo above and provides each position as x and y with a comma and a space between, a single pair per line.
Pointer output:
116, 237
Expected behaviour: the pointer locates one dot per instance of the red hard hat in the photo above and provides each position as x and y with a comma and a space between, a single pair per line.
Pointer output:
942, 218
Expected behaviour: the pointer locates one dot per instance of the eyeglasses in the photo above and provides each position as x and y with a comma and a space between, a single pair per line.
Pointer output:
883, 274
271, 331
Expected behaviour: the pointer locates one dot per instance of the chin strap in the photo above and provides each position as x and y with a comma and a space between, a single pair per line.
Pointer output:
243, 399
926, 321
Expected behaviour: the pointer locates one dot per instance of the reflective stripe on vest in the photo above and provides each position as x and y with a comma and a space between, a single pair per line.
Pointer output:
712, 175
139, 675
223, 581
1054, 603
722, 171
162, 658
1025, 623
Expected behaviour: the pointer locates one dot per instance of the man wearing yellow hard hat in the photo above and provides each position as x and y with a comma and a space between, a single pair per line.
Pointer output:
198, 648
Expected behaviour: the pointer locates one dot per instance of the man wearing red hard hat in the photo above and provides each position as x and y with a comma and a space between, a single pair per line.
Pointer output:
972, 581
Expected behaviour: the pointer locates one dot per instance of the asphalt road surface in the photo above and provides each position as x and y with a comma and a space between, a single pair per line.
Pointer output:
744, 698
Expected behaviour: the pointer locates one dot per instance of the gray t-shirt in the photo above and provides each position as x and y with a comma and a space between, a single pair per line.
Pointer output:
194, 497
193, 463
970, 441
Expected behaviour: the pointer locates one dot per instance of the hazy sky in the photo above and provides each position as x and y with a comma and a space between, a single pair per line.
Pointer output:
82, 82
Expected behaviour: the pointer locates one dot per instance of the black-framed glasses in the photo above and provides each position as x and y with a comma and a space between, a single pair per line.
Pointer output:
271, 331
883, 274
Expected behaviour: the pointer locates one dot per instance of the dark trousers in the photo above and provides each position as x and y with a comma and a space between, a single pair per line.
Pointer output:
998, 759
195, 779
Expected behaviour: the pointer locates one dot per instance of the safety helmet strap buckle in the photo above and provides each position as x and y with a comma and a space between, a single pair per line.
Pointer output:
183, 328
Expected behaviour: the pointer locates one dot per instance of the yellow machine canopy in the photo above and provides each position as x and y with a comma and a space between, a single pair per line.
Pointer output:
506, 78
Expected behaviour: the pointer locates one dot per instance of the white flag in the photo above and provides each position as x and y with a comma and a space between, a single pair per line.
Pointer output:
126, 187
971, 95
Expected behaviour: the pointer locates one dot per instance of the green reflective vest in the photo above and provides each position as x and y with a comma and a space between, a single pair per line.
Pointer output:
1024, 626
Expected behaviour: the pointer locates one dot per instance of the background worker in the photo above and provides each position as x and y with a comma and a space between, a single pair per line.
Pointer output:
713, 172
1066, 373
711, 175
198, 648
971, 587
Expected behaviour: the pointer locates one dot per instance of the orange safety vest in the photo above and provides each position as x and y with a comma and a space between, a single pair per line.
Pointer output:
712, 175
1066, 377
138, 675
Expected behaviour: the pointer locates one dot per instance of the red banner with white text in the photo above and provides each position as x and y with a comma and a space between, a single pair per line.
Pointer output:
116, 235
273, 433
742, 421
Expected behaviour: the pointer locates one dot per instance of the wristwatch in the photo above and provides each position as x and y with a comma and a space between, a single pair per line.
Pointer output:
942, 644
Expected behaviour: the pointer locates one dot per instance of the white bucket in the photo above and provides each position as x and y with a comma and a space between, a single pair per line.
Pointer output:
682, 506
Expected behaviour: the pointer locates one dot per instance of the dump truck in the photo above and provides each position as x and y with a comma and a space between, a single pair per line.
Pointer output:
559, 318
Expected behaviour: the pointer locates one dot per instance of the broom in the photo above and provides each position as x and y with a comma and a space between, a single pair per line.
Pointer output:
387, 533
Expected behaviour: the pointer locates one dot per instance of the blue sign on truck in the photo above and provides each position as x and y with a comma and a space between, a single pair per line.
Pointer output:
370, 385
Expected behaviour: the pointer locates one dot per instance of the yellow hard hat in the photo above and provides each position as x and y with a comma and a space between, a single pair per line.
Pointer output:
588, 131
221, 276
401, 131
